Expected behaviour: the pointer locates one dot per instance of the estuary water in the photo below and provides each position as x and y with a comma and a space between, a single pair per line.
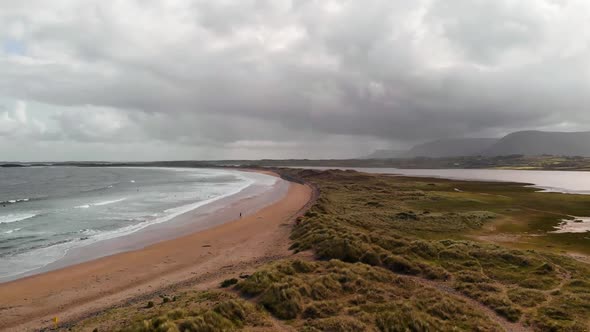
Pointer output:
572, 182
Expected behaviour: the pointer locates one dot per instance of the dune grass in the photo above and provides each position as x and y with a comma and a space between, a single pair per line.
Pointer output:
418, 227
190, 311
338, 296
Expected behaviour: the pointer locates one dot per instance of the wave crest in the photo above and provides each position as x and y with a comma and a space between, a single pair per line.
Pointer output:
14, 201
10, 218
86, 206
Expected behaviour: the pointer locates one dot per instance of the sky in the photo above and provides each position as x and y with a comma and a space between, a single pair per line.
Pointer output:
249, 79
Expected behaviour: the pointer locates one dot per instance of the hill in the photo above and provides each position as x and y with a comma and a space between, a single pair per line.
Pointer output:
535, 143
526, 143
385, 154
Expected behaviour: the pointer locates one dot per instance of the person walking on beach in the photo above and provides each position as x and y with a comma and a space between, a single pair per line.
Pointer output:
240, 215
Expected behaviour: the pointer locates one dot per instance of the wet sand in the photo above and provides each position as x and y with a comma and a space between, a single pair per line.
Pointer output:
200, 258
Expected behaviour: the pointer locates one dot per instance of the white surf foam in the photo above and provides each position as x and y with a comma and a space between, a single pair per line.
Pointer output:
10, 218
14, 201
12, 231
86, 206
109, 202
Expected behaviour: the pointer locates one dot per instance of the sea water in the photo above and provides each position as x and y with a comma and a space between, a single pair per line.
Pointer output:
47, 211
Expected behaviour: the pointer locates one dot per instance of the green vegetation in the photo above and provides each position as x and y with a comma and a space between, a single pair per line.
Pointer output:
229, 282
338, 296
422, 227
193, 311
404, 254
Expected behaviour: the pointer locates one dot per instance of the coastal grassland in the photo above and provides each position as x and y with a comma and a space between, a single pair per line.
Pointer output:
518, 210
422, 227
400, 254
214, 310
304, 296
338, 296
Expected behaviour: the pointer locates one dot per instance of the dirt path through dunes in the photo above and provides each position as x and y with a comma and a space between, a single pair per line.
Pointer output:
443, 287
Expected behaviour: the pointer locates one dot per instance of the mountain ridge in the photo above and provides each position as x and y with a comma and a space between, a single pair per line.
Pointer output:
526, 142
535, 142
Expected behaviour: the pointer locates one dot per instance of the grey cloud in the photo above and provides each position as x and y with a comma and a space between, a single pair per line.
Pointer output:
485, 30
228, 74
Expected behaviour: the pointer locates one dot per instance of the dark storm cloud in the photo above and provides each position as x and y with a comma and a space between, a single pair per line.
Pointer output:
224, 72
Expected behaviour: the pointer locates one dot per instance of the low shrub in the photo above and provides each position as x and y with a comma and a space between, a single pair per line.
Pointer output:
338, 324
526, 298
229, 282
400, 265
282, 300
404, 320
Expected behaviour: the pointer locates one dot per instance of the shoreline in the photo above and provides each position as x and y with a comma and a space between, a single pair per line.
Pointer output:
202, 255
204, 215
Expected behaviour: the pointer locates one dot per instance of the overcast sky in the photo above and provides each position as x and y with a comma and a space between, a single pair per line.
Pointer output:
218, 79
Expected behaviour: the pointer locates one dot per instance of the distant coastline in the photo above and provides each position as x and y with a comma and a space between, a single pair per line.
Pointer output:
516, 162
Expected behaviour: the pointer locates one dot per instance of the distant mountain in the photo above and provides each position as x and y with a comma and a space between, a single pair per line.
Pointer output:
385, 154
535, 143
527, 143
457, 147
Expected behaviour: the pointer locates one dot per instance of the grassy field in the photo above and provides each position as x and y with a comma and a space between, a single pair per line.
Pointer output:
401, 254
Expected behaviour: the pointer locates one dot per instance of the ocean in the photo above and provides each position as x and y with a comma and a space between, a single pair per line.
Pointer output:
47, 211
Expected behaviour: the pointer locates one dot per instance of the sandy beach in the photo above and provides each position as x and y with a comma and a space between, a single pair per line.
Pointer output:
200, 259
